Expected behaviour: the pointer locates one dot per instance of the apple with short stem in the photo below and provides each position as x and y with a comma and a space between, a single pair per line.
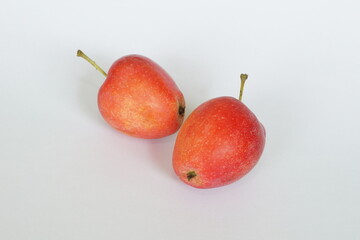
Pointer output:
219, 142
139, 98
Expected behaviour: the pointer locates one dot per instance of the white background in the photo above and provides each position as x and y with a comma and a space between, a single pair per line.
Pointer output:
65, 174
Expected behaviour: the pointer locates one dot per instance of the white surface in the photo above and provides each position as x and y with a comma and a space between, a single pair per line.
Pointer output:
65, 174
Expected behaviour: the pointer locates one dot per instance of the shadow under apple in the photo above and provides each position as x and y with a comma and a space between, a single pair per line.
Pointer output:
161, 151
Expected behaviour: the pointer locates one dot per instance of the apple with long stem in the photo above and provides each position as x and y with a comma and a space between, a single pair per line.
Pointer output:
219, 143
139, 98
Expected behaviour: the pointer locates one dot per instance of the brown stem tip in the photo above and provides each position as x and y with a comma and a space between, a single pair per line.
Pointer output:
190, 175
79, 53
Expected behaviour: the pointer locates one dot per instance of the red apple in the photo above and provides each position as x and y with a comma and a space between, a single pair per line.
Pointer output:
219, 143
139, 98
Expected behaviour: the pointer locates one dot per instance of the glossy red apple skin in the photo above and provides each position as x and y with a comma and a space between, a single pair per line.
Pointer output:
221, 141
140, 99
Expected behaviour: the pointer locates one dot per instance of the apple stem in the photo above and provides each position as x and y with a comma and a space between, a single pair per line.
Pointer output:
243, 78
84, 56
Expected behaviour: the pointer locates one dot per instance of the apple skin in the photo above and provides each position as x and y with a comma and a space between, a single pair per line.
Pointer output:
219, 143
140, 99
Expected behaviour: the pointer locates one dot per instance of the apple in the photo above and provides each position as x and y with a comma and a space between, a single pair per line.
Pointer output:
139, 98
219, 143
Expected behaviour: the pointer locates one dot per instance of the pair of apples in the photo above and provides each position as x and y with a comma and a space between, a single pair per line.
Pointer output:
219, 142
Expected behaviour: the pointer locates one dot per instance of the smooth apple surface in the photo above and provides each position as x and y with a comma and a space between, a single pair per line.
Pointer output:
140, 99
219, 143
